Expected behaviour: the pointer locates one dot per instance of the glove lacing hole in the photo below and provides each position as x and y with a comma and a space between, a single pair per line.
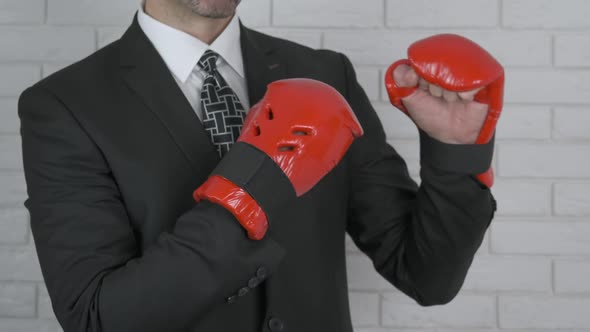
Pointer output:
286, 147
302, 131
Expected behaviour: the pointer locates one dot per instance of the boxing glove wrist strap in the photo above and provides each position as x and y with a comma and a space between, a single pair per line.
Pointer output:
236, 200
249, 173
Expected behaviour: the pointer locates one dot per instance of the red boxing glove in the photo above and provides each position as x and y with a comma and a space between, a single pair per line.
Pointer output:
456, 64
305, 127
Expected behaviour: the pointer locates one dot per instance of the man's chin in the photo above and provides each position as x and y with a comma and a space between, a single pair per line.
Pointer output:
215, 15
216, 9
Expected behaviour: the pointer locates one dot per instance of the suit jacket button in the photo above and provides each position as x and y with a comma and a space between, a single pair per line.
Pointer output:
231, 299
253, 282
261, 273
243, 291
275, 324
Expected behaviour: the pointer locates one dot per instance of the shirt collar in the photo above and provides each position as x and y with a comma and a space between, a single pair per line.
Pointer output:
181, 51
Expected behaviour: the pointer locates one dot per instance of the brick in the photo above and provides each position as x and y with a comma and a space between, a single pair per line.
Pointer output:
395, 123
14, 226
17, 300
9, 121
463, 311
455, 329
19, 263
308, 38
10, 153
505, 273
572, 50
383, 329
546, 13
362, 275
522, 198
370, 47
572, 199
107, 35
324, 13
548, 238
571, 277
488, 330
505, 330
571, 123
29, 325
45, 43
383, 47
544, 312
449, 13
105, 12
44, 309
13, 189
524, 122
255, 13
364, 309
543, 160
19, 11
15, 78
543, 86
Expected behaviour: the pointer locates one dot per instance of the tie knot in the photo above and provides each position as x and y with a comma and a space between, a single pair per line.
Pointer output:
208, 61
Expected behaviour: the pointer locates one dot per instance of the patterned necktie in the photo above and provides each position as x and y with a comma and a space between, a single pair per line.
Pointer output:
223, 113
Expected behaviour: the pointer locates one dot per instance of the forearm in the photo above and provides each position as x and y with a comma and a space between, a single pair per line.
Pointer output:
203, 260
420, 239
448, 223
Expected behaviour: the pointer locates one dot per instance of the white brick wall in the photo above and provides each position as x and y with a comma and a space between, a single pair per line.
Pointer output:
532, 273
463, 311
17, 300
568, 14
312, 13
437, 14
522, 311
570, 123
572, 198
22, 12
572, 50
572, 276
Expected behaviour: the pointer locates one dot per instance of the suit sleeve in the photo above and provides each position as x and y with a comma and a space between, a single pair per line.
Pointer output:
98, 279
422, 239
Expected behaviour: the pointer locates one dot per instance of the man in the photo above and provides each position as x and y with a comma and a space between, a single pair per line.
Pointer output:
115, 145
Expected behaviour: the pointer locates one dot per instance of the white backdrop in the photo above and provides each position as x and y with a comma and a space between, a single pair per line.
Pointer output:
533, 270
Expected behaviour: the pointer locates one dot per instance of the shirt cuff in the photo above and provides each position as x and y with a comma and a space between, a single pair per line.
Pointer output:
455, 158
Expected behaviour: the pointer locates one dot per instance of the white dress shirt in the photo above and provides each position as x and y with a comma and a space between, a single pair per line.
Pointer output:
181, 52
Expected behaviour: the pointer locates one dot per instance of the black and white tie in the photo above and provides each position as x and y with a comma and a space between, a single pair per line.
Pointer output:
223, 113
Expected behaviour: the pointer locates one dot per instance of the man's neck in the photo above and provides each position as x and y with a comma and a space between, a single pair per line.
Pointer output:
204, 28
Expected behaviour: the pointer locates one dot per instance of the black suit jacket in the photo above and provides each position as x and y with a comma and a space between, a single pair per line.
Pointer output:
113, 151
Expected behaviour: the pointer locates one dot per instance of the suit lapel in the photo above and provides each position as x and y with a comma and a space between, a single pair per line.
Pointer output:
147, 75
261, 63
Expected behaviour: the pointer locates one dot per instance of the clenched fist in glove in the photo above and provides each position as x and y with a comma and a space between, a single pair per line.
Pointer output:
303, 127
451, 88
